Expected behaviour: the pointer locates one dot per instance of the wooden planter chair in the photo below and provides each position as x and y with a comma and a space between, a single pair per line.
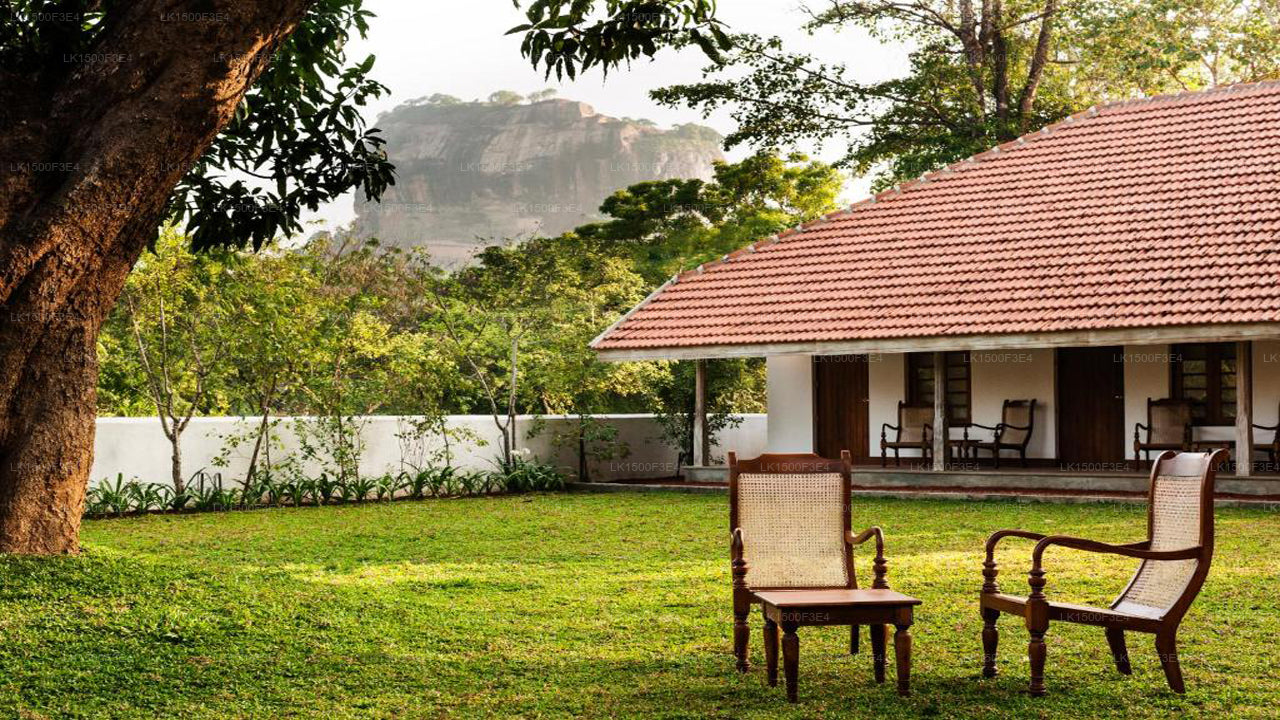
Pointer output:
1174, 562
914, 431
1013, 432
790, 529
1168, 428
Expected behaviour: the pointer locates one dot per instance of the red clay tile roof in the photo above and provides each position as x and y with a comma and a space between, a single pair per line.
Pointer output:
1148, 213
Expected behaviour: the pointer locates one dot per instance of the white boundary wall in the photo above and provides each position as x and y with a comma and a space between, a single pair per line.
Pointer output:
137, 448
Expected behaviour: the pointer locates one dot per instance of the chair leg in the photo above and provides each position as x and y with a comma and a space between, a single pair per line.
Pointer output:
902, 656
853, 639
897, 458
1036, 652
791, 659
995, 458
990, 641
879, 639
1115, 638
771, 651
1023, 453
1167, 647
741, 634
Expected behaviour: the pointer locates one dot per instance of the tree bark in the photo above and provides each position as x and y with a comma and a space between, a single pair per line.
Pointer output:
89, 152
1038, 62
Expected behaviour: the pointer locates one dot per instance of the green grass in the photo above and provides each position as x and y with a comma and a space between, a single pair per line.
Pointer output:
580, 605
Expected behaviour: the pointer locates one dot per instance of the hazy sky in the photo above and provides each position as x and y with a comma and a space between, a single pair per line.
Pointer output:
457, 47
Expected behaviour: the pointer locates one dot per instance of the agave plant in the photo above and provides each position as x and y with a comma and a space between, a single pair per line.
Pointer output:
387, 486
208, 493
520, 475
272, 490
323, 489
357, 489
414, 483
149, 496
108, 498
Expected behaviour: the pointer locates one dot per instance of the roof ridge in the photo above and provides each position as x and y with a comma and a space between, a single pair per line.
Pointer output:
1192, 94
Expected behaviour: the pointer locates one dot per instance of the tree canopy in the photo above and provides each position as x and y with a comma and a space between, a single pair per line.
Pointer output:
980, 73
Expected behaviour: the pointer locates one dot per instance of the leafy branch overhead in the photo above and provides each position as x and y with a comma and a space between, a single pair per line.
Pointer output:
570, 36
297, 140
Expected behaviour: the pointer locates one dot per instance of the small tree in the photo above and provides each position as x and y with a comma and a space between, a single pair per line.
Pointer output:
177, 318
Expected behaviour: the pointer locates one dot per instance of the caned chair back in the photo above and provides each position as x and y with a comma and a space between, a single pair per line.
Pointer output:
912, 420
1168, 420
793, 511
1180, 516
1021, 413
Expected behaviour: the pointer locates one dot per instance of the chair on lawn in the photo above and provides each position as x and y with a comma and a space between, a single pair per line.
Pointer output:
914, 431
1168, 428
791, 544
1174, 558
1013, 432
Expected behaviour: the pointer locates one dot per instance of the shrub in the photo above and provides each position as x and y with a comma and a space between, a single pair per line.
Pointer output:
520, 476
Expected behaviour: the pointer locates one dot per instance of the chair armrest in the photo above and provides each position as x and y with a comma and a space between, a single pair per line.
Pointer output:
1266, 427
986, 427
879, 567
989, 568
737, 562
1008, 426
1134, 550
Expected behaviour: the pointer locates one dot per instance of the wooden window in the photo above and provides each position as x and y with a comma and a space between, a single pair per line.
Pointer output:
1205, 374
921, 380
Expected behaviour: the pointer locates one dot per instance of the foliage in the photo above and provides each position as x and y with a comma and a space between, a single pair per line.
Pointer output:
208, 493
298, 133
666, 226
979, 73
466, 609
565, 37
337, 330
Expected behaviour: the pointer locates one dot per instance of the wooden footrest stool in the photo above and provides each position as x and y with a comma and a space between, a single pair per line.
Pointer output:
792, 609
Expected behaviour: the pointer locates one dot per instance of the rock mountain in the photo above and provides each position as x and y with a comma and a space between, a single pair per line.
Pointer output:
474, 174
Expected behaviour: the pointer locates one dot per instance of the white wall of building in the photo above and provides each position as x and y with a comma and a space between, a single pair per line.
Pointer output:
1000, 375
994, 377
136, 447
790, 403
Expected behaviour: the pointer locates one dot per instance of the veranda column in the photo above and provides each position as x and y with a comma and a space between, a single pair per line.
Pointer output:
1244, 408
701, 441
940, 431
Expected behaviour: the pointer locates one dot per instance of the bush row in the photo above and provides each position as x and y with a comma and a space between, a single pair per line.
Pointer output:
207, 492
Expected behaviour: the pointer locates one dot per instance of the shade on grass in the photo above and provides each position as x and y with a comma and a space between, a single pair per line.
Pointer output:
581, 605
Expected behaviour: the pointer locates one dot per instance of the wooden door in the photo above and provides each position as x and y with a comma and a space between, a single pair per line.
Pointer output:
1091, 407
840, 406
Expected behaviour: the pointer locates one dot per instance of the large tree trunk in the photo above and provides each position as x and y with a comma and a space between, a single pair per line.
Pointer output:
89, 153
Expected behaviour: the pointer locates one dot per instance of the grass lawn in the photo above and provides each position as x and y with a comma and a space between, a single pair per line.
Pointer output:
581, 605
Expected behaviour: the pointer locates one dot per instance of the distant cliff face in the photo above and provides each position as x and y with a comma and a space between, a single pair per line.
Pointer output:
474, 174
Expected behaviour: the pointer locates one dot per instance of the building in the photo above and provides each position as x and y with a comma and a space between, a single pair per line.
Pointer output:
1127, 253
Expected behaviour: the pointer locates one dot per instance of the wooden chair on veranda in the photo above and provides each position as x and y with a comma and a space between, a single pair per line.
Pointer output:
790, 529
1174, 559
1013, 432
914, 431
1168, 428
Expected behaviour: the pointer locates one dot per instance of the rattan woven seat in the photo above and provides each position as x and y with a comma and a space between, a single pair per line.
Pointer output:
1173, 563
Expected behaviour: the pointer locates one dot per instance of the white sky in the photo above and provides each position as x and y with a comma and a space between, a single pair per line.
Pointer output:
457, 47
